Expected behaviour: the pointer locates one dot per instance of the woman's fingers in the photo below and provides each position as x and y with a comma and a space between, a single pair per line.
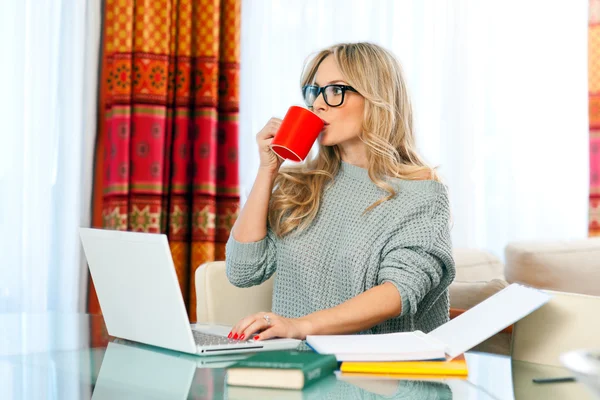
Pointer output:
238, 329
257, 326
241, 329
268, 159
269, 130
265, 144
268, 135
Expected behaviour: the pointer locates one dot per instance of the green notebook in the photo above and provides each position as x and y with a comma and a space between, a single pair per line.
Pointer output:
281, 369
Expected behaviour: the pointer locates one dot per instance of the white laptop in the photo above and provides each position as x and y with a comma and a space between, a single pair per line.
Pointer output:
140, 298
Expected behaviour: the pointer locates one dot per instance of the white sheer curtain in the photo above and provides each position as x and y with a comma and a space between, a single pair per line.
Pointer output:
49, 69
499, 92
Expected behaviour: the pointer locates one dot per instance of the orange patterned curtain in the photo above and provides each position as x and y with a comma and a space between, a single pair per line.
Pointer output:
167, 152
594, 112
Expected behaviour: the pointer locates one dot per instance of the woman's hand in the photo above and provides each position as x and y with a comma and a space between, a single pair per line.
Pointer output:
259, 327
269, 161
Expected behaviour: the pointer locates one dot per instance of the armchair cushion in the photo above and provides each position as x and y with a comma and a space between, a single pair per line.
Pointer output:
473, 265
219, 302
567, 266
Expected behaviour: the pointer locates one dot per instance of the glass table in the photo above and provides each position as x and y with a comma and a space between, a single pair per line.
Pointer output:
71, 356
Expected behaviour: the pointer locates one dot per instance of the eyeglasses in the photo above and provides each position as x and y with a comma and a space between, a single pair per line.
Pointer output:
332, 94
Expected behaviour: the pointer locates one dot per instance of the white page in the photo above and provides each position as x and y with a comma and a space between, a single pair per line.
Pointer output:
403, 343
489, 317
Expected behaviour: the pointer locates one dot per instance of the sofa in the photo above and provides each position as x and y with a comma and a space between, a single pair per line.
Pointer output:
566, 266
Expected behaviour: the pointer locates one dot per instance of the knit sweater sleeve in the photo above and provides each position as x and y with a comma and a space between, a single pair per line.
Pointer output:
417, 258
250, 264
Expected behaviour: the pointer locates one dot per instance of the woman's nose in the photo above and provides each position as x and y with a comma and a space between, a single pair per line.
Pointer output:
319, 103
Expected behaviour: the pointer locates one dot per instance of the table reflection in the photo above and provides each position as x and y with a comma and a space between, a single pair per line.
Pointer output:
130, 371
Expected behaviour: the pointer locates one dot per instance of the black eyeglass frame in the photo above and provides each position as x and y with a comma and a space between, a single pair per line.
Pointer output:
322, 90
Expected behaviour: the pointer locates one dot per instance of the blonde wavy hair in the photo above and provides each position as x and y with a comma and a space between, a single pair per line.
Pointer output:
387, 131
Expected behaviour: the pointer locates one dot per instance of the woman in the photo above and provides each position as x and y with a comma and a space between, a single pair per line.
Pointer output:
359, 235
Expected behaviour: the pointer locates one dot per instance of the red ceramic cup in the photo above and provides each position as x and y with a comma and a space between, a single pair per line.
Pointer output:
297, 133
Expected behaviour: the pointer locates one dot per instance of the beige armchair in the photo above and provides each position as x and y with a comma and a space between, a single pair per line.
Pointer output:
569, 321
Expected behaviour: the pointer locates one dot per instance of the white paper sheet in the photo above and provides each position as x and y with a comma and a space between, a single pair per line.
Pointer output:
489, 317
383, 347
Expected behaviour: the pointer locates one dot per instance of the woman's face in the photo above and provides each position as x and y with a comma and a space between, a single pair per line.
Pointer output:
343, 124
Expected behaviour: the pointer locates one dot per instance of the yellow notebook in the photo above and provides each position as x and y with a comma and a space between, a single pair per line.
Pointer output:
363, 376
455, 367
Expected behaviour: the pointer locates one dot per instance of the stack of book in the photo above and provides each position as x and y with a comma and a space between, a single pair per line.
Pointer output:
405, 355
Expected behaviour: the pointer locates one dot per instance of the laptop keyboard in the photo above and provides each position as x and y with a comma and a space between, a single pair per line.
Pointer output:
208, 339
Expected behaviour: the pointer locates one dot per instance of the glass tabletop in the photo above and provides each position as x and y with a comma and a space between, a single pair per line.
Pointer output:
71, 356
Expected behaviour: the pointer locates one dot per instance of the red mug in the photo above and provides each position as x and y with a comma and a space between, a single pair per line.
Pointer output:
296, 135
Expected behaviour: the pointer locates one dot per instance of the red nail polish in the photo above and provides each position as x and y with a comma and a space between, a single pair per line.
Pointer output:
242, 337
235, 336
256, 337
229, 336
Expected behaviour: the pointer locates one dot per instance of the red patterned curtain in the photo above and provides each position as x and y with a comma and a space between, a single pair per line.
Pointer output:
167, 155
594, 112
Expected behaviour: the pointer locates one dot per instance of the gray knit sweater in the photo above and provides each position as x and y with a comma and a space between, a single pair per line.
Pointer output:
405, 241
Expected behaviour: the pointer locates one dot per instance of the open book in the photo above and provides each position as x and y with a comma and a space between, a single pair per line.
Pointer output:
446, 342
